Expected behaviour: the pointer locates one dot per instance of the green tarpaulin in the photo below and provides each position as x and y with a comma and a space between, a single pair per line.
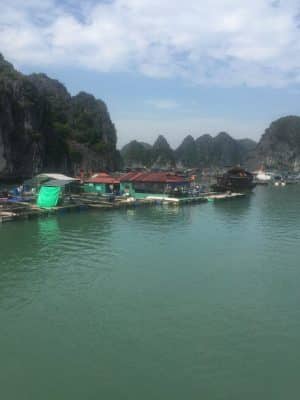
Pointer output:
48, 196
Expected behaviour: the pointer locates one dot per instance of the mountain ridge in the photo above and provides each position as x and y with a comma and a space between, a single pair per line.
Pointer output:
203, 152
43, 127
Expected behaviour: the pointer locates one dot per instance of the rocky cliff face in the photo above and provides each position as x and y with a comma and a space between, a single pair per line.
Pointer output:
279, 147
162, 156
186, 154
136, 154
247, 145
224, 150
219, 151
43, 128
204, 146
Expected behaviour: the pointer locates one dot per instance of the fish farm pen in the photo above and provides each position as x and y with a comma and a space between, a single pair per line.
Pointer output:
15, 211
52, 193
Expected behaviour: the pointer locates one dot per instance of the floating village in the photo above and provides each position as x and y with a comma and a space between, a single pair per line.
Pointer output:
54, 193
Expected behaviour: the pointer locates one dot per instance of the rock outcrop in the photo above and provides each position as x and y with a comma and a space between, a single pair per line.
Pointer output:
247, 145
279, 147
136, 154
42, 127
186, 154
139, 154
162, 156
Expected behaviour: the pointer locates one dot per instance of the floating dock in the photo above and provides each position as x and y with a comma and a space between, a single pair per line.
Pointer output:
14, 211
197, 199
224, 196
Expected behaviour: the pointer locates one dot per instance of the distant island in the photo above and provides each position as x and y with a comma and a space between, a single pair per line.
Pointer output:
278, 148
43, 127
203, 152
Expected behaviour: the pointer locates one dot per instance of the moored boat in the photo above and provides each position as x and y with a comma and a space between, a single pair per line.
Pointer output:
262, 177
279, 181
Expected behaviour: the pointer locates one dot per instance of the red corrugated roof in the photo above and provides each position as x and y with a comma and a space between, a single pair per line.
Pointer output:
130, 176
103, 177
153, 177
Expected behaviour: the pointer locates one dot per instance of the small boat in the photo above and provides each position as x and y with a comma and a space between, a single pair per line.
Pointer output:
263, 178
279, 181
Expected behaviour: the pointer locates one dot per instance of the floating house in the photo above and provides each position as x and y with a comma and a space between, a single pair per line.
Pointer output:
151, 182
52, 188
41, 179
55, 192
102, 183
235, 179
51, 193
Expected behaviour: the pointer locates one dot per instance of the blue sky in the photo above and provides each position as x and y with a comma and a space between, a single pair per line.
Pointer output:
172, 68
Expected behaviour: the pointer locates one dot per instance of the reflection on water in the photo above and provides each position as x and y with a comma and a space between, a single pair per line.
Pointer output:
279, 218
162, 302
278, 205
33, 251
49, 231
235, 210
162, 217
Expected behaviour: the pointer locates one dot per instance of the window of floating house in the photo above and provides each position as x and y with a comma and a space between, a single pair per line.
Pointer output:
94, 187
100, 187
127, 187
88, 187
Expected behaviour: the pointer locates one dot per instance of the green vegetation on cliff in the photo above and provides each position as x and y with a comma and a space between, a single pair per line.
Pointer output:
204, 152
279, 147
43, 127
136, 154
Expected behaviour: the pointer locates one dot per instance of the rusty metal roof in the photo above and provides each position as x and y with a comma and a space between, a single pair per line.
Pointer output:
103, 177
153, 177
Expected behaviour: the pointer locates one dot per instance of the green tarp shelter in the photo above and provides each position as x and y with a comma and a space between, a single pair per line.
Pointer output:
48, 196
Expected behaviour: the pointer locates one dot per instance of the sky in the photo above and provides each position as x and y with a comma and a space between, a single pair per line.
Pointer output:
165, 67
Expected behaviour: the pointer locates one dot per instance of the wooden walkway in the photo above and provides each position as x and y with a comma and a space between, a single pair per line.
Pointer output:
23, 211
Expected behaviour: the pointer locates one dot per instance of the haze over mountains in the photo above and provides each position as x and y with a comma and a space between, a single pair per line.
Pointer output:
203, 152
43, 127
278, 148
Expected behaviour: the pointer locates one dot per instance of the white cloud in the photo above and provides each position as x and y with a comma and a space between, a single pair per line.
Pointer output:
220, 42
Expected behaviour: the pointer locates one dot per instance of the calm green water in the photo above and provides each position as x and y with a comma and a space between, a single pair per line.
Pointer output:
200, 302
